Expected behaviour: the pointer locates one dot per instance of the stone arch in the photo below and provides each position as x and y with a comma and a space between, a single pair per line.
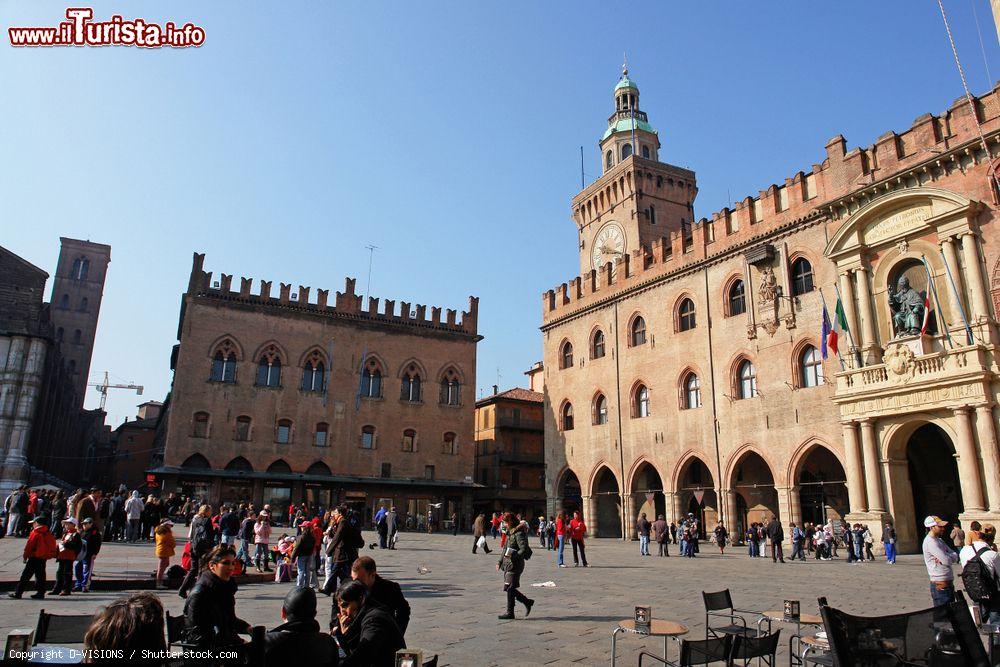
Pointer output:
280, 466
752, 482
817, 479
319, 468
695, 491
405, 367
377, 358
894, 438
603, 463
314, 349
802, 452
221, 342
646, 491
734, 459
605, 492
196, 462
795, 360
239, 464
269, 347
450, 366
568, 491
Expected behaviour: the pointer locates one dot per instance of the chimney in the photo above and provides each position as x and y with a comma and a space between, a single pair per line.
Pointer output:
496, 390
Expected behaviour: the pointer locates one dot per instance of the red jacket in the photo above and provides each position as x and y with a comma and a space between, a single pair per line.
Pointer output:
41, 544
70, 545
560, 527
317, 532
577, 529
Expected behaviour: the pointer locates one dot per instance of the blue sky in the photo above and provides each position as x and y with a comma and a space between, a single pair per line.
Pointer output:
448, 135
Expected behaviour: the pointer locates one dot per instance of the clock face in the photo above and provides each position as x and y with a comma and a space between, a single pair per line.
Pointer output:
609, 245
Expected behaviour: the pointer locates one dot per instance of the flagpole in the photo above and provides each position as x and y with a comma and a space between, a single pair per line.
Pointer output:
364, 354
826, 318
850, 335
937, 301
958, 299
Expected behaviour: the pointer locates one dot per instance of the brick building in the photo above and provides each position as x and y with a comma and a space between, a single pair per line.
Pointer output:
279, 398
510, 453
683, 367
133, 445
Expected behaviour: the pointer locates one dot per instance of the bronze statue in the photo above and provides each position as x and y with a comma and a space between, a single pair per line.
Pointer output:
907, 307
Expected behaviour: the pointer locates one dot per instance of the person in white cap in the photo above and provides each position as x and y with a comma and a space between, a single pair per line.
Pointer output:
70, 544
939, 558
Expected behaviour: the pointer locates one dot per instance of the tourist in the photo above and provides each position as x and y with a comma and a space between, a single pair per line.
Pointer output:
384, 592
454, 525
392, 527
165, 545
542, 530
495, 525
133, 511
261, 538
776, 534
302, 554
809, 531
721, 536
643, 527
40, 547
939, 558
550, 533
561, 531
858, 538
673, 532
512, 562
229, 526
798, 538
70, 544
889, 542
246, 537
118, 521
87, 507
869, 542
210, 611
84, 568
577, 532
382, 526
478, 530
751, 538
364, 629
17, 511
298, 640
977, 547
129, 625
661, 533
58, 514
202, 537
957, 536
342, 550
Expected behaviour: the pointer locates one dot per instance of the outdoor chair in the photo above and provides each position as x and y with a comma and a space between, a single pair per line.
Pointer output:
720, 605
431, 662
61, 629
175, 631
939, 637
697, 652
764, 648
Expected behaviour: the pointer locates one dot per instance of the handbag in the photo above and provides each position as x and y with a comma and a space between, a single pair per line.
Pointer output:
481, 542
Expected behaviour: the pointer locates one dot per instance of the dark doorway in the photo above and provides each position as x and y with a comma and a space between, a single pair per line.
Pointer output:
930, 456
822, 487
697, 496
608, 501
569, 491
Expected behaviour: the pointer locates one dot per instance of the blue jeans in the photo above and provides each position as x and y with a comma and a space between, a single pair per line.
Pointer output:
83, 569
797, 550
562, 546
943, 596
644, 545
304, 566
890, 552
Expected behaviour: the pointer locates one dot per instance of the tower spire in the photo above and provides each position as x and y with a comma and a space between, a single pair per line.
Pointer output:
625, 65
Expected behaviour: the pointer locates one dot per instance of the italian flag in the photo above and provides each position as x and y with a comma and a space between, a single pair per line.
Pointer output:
839, 324
927, 313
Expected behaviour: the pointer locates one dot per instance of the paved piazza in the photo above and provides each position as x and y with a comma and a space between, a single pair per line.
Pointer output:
455, 605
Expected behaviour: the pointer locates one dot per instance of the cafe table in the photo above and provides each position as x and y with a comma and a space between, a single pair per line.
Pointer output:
657, 628
798, 622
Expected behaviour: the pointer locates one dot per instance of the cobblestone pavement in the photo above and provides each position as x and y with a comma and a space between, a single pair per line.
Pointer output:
455, 604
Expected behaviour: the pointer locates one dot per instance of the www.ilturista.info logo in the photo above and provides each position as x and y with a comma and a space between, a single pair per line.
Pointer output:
81, 30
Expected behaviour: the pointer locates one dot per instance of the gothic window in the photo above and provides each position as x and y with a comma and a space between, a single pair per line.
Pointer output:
685, 315
320, 437
269, 368
566, 355
410, 390
77, 335
409, 440
428, 472
645, 152
224, 363
600, 410
451, 388
371, 380
81, 267
640, 402
200, 425
314, 373
243, 424
83, 305
746, 377
368, 437
802, 276
567, 417
651, 212
811, 367
597, 345
385, 471
609, 160
283, 433
626, 150
736, 299
450, 443
64, 302
692, 392
637, 332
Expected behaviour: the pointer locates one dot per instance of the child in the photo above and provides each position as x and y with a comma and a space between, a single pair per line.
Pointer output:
40, 547
165, 544
69, 546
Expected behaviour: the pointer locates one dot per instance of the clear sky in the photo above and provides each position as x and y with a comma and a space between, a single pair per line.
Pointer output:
448, 135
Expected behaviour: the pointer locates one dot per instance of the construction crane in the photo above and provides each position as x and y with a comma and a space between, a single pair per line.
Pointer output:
104, 386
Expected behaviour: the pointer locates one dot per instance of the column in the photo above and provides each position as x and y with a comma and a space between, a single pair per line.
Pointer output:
968, 462
631, 514
850, 308
873, 471
951, 256
974, 275
732, 521
867, 314
794, 506
590, 518
855, 479
675, 507
986, 430
785, 510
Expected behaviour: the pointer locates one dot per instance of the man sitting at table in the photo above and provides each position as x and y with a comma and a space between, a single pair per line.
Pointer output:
298, 640
386, 593
364, 629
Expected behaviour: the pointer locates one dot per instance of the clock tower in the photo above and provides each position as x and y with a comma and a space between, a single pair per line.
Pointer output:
637, 199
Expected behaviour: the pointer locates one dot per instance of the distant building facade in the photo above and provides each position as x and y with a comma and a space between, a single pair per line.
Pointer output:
279, 398
134, 444
684, 368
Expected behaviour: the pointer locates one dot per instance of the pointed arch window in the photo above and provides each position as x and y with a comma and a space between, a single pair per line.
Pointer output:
637, 332
597, 345
269, 368
200, 425
811, 365
746, 379
566, 355
410, 389
283, 432
320, 437
371, 380
77, 336
368, 437
802, 276
736, 298
409, 440
609, 160
81, 267
314, 373
224, 363
84, 304
451, 388
692, 392
450, 443
567, 417
626, 150
686, 315
645, 151
600, 410
641, 402
243, 427
64, 302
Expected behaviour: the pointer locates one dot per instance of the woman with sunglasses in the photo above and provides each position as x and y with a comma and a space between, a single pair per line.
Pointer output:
210, 611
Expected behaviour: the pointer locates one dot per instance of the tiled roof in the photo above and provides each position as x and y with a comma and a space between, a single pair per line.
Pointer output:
515, 394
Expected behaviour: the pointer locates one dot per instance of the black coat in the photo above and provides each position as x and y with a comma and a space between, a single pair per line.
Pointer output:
210, 613
372, 639
344, 543
390, 595
300, 643
229, 524
775, 531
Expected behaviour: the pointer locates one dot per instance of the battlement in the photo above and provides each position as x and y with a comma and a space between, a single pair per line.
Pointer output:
345, 304
932, 142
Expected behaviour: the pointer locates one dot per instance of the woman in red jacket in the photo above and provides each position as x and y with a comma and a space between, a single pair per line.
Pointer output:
40, 547
561, 536
577, 531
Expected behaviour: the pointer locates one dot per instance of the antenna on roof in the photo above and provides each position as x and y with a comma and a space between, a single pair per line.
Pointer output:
371, 257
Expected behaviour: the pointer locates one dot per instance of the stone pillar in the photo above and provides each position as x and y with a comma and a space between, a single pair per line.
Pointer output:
631, 514
731, 518
794, 506
850, 309
855, 476
590, 518
987, 433
968, 462
974, 277
869, 335
785, 510
951, 256
873, 471
675, 507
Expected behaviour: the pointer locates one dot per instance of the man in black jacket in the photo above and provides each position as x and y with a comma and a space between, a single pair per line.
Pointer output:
342, 548
386, 593
776, 534
364, 629
298, 640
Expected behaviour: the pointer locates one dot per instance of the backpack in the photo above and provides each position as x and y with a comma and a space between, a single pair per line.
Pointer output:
204, 536
980, 584
527, 551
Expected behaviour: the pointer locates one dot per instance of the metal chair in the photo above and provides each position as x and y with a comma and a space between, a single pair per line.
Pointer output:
62, 629
764, 647
697, 652
175, 631
431, 662
715, 604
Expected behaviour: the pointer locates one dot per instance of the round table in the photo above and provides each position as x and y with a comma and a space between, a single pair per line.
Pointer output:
803, 619
657, 628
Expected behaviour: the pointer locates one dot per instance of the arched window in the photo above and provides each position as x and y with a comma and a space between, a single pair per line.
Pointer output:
637, 334
600, 410
84, 304
81, 267
736, 299
224, 365
314, 373
410, 390
409, 440
567, 417
597, 345
811, 365
609, 160
645, 152
626, 150
746, 379
368, 437
320, 437
77, 336
449, 444
802, 276
64, 302
269, 368
651, 212
566, 355
641, 402
371, 380
283, 433
685, 315
692, 392
451, 388
280, 466
243, 425
201, 424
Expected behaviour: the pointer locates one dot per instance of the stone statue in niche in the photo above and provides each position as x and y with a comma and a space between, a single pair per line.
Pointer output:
907, 307
768, 291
